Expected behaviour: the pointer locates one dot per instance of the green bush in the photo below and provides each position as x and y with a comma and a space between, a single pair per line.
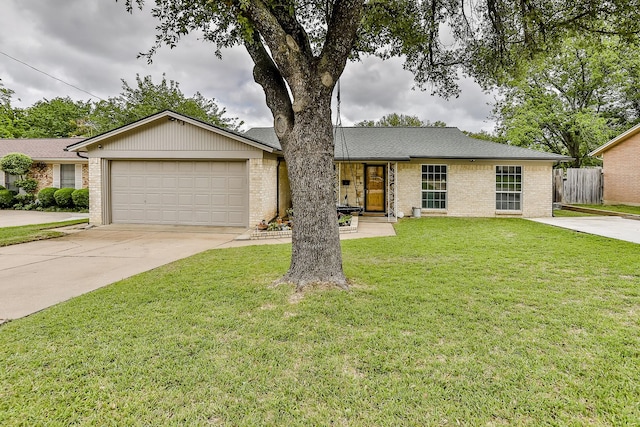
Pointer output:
46, 198
6, 198
29, 185
24, 202
2, 188
16, 164
81, 198
63, 197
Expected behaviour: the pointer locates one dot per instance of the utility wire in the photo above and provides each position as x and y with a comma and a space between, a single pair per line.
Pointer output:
53, 77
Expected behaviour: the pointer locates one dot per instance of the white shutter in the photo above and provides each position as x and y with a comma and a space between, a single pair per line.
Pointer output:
56, 175
78, 176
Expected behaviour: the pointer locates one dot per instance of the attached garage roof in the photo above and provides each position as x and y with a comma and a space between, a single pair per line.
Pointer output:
405, 143
173, 116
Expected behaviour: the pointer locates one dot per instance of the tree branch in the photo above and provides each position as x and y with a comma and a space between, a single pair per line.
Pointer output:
267, 75
340, 39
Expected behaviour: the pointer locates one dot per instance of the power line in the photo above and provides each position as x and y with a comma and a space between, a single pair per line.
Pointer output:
53, 77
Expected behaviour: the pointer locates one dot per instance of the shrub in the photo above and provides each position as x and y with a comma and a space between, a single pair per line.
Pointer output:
6, 198
16, 164
63, 197
46, 198
29, 185
2, 187
81, 198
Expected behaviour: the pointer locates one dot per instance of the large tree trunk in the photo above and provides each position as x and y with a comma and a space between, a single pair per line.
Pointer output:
309, 152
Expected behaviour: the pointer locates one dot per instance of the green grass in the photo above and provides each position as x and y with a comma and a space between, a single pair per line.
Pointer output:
452, 322
30, 233
635, 210
568, 213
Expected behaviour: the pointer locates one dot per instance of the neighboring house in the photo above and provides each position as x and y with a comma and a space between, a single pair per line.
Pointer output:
621, 168
53, 166
172, 169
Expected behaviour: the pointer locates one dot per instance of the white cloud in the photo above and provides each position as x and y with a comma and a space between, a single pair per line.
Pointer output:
93, 44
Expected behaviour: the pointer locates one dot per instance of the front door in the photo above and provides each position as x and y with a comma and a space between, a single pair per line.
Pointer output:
374, 188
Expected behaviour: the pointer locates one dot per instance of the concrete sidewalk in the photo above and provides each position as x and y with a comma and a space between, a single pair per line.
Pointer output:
608, 226
37, 275
11, 218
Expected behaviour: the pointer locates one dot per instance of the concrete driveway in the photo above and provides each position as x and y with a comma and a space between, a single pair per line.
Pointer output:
10, 218
37, 275
607, 226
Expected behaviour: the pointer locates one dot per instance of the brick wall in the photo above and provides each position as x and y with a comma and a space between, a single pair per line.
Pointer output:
471, 189
622, 172
262, 189
43, 173
95, 190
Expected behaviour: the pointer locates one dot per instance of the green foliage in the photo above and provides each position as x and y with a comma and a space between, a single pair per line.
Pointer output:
24, 201
29, 185
46, 196
6, 199
58, 118
63, 197
80, 198
396, 120
571, 102
16, 164
147, 98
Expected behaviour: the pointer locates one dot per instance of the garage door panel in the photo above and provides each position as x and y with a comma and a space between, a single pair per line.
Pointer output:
235, 168
179, 192
186, 182
235, 183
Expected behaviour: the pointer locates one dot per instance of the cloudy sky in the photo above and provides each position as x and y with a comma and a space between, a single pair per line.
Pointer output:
92, 44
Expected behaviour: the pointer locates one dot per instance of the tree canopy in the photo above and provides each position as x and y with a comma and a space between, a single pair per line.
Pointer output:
64, 117
300, 48
573, 101
399, 120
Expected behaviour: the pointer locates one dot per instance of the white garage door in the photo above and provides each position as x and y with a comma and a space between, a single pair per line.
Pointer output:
179, 192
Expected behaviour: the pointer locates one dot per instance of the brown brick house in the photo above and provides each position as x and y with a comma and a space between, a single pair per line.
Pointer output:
172, 169
52, 165
621, 168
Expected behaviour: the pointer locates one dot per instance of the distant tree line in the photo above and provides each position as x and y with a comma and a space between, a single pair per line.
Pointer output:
65, 117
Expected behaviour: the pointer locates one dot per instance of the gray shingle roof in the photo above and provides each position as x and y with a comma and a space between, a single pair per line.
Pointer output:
41, 148
405, 143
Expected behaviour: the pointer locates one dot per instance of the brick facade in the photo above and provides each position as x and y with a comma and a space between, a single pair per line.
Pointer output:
95, 191
262, 189
470, 188
622, 172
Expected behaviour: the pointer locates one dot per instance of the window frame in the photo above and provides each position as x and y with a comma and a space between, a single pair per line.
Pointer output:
438, 174
508, 188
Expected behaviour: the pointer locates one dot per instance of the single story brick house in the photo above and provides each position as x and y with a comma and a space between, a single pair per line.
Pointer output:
53, 166
621, 168
172, 169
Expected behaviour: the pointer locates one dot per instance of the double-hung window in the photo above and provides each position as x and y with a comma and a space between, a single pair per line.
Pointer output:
508, 188
434, 186
67, 176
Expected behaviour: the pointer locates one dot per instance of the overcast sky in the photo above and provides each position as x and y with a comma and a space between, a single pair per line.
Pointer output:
92, 44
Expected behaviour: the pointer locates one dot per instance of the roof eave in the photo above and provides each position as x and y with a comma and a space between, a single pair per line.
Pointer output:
615, 141
176, 116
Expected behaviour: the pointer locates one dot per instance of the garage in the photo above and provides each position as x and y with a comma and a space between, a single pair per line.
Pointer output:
213, 193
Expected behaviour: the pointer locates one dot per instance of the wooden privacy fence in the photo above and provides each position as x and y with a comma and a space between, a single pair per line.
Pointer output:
583, 186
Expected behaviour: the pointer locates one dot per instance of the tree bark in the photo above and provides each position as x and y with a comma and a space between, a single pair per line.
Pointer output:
298, 86
316, 256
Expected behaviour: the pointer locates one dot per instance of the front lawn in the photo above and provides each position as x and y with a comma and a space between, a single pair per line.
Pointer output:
452, 322
29, 233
